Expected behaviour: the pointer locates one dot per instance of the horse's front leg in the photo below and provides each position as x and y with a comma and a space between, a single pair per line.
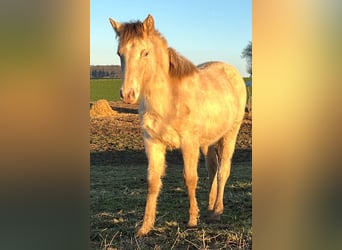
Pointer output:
155, 152
190, 156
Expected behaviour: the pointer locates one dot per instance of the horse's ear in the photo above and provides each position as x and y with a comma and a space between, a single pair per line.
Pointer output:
116, 26
149, 23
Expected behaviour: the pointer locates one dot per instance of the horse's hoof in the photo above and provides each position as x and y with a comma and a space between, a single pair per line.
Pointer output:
192, 224
141, 232
192, 227
213, 218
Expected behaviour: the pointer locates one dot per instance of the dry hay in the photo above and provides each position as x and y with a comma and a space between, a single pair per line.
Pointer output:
101, 108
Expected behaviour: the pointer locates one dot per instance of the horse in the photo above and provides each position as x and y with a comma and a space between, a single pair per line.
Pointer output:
181, 106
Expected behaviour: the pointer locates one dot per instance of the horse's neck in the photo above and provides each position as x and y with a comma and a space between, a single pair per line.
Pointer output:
158, 94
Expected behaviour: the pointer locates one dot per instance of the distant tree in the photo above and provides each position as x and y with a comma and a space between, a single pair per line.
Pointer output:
247, 54
93, 73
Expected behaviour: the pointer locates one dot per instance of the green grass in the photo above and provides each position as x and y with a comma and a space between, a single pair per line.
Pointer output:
249, 87
117, 203
246, 79
108, 89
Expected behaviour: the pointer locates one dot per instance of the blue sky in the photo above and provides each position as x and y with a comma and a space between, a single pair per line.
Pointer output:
199, 30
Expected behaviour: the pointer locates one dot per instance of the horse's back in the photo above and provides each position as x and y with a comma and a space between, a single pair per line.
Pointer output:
222, 72
222, 79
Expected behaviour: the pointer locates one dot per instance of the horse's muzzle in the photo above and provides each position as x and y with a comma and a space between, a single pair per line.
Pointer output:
130, 97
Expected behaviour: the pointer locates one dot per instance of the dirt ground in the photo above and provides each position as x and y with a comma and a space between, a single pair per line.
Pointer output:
117, 140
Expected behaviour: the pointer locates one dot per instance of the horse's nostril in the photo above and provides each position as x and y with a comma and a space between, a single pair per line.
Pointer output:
132, 94
121, 94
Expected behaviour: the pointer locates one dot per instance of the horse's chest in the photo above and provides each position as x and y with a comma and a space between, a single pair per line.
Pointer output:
160, 129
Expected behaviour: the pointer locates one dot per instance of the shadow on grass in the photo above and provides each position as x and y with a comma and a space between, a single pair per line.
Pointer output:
130, 156
118, 195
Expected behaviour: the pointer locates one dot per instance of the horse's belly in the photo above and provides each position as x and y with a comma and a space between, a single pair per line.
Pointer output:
211, 132
218, 116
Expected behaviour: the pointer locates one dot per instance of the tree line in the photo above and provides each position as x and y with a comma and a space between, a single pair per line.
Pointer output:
105, 71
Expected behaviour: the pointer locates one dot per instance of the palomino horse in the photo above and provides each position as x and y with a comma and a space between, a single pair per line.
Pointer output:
181, 106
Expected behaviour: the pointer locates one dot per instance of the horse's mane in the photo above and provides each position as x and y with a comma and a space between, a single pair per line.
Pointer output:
179, 66
130, 31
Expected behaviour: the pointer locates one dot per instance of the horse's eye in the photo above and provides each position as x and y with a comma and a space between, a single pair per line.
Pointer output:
144, 53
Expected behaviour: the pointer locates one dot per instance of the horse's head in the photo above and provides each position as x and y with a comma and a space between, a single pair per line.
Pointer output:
135, 49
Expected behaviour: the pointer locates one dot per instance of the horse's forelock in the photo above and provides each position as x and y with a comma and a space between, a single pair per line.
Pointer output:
132, 30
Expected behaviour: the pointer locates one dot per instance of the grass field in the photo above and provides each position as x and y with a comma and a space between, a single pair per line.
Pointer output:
117, 203
108, 89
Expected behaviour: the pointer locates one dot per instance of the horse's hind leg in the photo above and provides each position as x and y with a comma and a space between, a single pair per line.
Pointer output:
226, 146
211, 162
156, 167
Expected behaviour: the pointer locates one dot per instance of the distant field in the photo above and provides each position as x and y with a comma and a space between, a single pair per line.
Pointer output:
108, 89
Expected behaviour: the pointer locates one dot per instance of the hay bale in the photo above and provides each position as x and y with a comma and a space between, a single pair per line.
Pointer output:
101, 108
